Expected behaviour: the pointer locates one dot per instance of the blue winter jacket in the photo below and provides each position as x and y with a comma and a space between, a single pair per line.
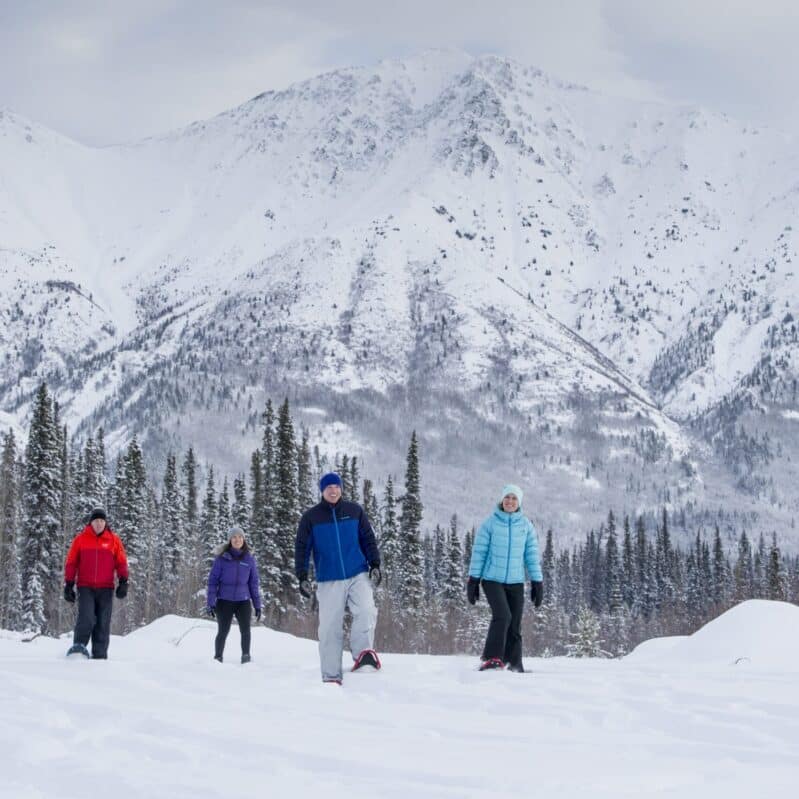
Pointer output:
504, 546
341, 539
234, 578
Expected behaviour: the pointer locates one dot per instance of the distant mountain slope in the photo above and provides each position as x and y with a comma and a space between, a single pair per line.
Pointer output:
601, 291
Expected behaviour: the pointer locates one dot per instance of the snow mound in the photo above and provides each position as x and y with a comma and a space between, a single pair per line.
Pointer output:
758, 632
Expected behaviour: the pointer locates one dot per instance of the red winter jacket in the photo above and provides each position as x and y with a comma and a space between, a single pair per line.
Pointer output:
94, 559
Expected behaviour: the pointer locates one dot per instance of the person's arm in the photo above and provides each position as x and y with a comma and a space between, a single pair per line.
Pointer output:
480, 549
255, 585
532, 557
367, 541
213, 582
121, 560
73, 558
302, 547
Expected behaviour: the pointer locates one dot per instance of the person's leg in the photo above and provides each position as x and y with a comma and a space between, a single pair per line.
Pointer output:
332, 598
361, 602
86, 617
224, 616
500, 620
243, 612
101, 634
513, 642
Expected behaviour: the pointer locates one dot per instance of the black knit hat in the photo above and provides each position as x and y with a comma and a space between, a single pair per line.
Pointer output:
98, 513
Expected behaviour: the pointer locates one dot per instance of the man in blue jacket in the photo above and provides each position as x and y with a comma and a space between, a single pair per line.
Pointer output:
346, 562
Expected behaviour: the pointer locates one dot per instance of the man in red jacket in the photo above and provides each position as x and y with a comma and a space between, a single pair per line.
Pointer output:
95, 555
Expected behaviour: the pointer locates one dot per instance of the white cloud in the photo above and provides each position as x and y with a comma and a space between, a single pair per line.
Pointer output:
110, 71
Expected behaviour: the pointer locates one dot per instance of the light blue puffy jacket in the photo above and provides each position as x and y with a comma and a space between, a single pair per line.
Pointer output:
504, 546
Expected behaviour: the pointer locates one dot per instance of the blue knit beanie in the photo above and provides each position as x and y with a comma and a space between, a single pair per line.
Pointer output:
329, 479
510, 488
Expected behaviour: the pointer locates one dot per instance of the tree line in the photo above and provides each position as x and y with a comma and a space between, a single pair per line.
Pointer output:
624, 582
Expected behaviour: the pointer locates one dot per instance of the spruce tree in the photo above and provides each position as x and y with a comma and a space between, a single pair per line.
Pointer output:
171, 529
412, 564
305, 482
286, 504
389, 543
41, 502
10, 535
209, 521
775, 578
240, 510
613, 568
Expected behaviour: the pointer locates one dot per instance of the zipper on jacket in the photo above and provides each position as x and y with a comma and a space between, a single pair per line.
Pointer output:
338, 541
507, 562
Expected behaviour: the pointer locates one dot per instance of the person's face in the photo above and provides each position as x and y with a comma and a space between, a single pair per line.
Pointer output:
510, 503
98, 525
332, 493
237, 541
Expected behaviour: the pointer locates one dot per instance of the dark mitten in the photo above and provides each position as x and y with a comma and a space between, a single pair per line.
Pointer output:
69, 592
257, 614
375, 574
305, 584
122, 588
473, 590
209, 611
537, 593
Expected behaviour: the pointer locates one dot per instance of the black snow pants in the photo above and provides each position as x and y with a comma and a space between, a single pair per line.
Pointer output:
94, 619
225, 610
504, 640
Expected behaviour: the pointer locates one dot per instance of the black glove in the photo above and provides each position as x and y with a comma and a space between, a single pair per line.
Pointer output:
69, 592
122, 588
473, 590
305, 584
537, 593
375, 574
257, 614
209, 611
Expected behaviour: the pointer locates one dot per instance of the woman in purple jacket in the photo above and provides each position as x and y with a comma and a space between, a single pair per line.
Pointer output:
232, 584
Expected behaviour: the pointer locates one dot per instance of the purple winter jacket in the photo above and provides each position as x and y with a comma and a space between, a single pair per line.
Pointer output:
234, 578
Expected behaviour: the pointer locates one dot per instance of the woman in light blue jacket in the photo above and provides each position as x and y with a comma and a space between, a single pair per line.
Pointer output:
505, 546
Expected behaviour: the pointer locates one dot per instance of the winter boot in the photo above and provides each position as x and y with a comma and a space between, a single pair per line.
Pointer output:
78, 649
491, 663
333, 680
517, 667
367, 658
218, 657
245, 658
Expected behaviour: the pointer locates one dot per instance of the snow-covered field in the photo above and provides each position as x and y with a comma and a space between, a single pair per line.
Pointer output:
712, 715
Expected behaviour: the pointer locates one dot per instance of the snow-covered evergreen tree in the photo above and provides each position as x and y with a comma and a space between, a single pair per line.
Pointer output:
41, 503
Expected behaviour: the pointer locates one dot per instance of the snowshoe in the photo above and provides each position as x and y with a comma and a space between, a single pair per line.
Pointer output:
334, 680
367, 658
245, 658
491, 663
78, 649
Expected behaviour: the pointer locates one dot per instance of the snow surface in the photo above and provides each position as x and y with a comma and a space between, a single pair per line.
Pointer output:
162, 719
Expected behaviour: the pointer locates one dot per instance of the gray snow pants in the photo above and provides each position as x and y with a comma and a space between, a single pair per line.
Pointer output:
334, 596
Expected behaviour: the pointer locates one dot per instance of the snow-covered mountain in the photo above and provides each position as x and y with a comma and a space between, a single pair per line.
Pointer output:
592, 295
713, 715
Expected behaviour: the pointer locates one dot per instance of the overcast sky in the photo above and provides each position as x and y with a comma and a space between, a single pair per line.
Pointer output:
104, 71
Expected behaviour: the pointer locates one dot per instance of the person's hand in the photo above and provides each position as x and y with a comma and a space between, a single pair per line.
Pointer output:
473, 590
257, 614
122, 588
209, 611
375, 575
305, 585
69, 591
537, 593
